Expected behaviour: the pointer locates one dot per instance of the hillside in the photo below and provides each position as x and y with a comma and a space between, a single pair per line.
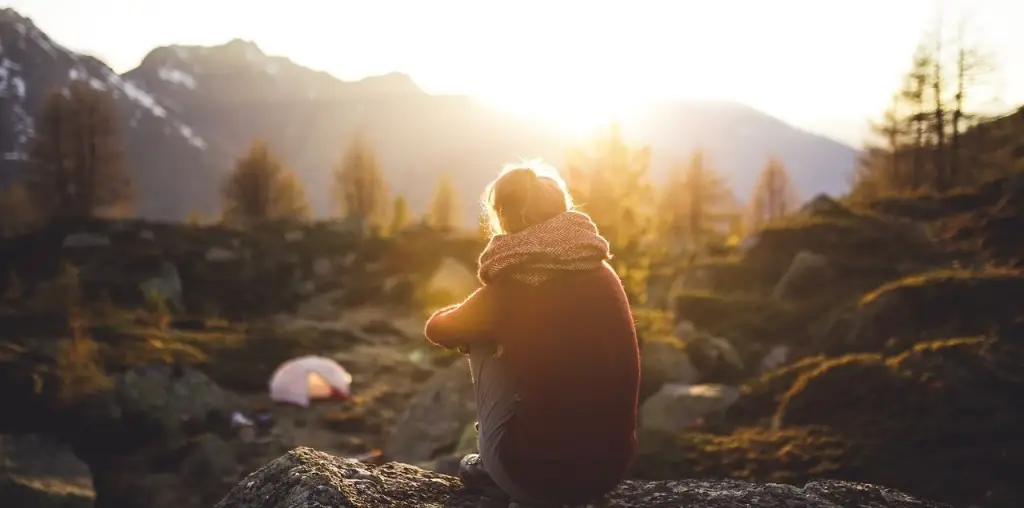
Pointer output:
880, 343
189, 111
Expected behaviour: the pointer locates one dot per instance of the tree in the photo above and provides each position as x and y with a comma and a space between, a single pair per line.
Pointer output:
919, 144
261, 189
77, 163
609, 179
444, 208
697, 205
973, 70
400, 216
774, 195
359, 186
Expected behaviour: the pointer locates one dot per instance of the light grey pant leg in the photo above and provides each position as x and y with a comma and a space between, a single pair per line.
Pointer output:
495, 405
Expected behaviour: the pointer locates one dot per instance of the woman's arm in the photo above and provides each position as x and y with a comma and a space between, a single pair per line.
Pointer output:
462, 324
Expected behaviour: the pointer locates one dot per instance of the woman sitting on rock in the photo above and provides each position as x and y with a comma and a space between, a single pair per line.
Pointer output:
552, 349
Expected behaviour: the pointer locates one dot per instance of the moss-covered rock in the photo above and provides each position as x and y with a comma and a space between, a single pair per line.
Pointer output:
946, 303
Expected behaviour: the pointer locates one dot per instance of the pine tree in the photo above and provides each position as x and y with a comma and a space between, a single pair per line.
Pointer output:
696, 205
444, 208
774, 195
400, 216
261, 189
77, 163
359, 187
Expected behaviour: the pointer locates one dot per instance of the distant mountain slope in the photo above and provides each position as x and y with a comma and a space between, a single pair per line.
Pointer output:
167, 155
189, 111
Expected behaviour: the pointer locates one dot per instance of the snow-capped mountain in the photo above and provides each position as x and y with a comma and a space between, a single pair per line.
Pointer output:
189, 111
157, 139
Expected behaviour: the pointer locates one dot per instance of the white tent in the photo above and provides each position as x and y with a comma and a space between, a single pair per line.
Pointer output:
302, 379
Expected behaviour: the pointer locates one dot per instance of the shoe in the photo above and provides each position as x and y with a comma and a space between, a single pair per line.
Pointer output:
476, 478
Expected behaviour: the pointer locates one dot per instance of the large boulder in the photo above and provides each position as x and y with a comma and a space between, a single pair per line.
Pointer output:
18, 491
945, 303
435, 419
305, 477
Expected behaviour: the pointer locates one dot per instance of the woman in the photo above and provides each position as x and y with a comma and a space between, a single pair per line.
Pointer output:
552, 347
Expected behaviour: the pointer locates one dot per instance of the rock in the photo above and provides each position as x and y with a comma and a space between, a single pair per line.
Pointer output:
824, 205
677, 407
304, 477
468, 441
663, 362
27, 492
435, 418
166, 285
805, 275
85, 240
453, 278
41, 455
305, 288
749, 242
776, 357
220, 254
322, 267
351, 225
717, 349
934, 305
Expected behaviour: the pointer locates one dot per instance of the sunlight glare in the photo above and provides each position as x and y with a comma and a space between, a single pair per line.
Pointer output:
573, 114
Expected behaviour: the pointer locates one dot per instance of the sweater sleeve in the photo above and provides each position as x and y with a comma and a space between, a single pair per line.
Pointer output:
462, 324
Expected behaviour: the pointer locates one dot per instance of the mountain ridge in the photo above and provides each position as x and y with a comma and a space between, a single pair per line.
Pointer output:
190, 110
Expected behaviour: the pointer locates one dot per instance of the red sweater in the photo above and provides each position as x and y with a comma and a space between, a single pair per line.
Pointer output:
571, 346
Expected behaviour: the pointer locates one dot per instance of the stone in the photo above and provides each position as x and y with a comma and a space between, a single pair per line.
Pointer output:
436, 417
218, 254
166, 284
807, 274
304, 477
322, 267
677, 407
663, 361
85, 240
18, 491
453, 278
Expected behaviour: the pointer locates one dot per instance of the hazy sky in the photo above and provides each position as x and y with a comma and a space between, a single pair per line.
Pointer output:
823, 64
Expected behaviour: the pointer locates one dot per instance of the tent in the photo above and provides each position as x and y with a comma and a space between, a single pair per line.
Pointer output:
300, 380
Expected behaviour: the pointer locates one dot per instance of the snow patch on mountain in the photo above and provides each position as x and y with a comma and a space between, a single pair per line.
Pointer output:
177, 77
12, 89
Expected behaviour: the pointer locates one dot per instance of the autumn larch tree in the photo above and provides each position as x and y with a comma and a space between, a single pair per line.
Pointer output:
773, 196
696, 205
444, 213
77, 158
609, 179
261, 189
359, 187
400, 216
924, 132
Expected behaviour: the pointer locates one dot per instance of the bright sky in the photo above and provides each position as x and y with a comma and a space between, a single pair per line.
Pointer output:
822, 64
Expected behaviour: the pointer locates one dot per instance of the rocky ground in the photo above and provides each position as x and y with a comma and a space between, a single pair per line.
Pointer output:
879, 343
306, 477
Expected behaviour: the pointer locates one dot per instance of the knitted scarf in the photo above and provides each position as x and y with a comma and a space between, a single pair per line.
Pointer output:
565, 243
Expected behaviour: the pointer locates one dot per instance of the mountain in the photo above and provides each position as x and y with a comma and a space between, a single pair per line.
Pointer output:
161, 147
189, 111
